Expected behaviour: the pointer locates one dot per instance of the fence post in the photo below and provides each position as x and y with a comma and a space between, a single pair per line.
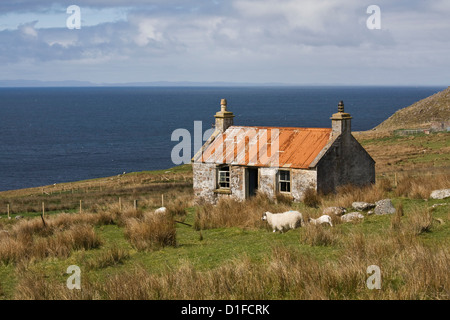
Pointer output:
120, 204
80, 206
135, 204
162, 200
7, 206
43, 209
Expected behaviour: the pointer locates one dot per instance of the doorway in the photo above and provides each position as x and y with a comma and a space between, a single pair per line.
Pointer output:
251, 178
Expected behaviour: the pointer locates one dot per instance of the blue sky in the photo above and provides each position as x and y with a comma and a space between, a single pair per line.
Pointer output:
257, 41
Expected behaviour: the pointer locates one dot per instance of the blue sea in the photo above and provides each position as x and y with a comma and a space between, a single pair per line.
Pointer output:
54, 135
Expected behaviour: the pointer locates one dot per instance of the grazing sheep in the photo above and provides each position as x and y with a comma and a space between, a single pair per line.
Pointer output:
286, 220
161, 210
321, 220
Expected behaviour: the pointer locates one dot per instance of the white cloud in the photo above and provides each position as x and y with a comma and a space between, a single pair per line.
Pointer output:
147, 32
28, 29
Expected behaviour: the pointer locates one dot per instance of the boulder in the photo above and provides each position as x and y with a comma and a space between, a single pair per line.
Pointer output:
440, 194
362, 206
338, 211
384, 206
352, 216
18, 217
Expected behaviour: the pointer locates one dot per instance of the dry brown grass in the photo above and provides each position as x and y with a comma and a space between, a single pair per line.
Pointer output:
420, 220
151, 232
420, 187
413, 272
317, 235
346, 195
396, 218
30, 239
111, 257
22, 246
311, 198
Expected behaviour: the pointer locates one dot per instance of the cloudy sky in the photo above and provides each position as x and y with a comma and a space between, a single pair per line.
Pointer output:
257, 41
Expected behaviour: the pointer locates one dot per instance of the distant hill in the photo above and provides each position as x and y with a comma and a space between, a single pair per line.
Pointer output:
421, 114
74, 83
38, 83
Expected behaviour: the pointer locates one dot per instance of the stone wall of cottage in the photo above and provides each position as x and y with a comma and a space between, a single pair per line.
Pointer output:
267, 181
301, 180
237, 182
204, 181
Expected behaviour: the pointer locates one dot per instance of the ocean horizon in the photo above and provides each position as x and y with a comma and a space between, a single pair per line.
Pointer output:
66, 134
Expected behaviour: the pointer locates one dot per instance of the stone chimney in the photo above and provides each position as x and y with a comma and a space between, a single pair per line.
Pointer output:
341, 122
224, 118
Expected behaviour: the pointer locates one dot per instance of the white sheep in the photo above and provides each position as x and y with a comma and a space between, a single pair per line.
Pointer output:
161, 210
281, 221
321, 220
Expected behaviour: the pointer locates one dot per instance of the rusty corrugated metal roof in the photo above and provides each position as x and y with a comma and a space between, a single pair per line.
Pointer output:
266, 146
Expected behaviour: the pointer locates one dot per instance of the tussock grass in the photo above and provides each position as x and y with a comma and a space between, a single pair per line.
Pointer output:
420, 187
23, 246
111, 257
346, 195
151, 232
317, 235
311, 198
420, 220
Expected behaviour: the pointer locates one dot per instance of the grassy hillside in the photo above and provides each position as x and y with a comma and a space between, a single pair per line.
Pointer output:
420, 114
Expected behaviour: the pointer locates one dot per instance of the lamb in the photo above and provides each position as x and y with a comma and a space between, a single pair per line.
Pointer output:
321, 220
281, 221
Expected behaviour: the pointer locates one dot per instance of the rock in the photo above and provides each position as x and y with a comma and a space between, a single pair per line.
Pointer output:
18, 217
352, 216
362, 206
338, 211
440, 194
370, 212
384, 206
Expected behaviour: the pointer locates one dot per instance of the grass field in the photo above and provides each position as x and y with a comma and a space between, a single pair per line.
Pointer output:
226, 251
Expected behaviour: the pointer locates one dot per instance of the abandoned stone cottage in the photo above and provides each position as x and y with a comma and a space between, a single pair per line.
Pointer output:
239, 161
